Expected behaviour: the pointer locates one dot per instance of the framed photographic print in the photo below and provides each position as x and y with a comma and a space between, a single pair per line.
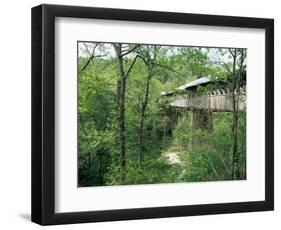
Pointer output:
142, 114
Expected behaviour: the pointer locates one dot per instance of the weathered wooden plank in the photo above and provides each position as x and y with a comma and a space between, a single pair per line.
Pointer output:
217, 102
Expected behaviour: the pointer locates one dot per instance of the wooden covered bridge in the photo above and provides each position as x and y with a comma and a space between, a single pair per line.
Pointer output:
203, 97
216, 100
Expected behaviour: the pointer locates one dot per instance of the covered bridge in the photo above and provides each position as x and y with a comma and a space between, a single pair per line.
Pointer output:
204, 96
217, 97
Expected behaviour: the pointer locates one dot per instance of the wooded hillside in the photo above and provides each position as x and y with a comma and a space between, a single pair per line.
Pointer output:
129, 132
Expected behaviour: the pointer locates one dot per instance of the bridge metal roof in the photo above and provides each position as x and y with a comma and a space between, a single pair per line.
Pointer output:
197, 82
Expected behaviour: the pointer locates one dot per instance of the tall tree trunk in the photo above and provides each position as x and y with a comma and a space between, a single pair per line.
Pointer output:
243, 161
121, 116
234, 144
122, 158
122, 130
141, 124
121, 90
234, 118
237, 55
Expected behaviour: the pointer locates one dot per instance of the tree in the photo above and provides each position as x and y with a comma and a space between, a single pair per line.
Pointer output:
95, 106
150, 55
235, 68
127, 128
238, 56
121, 52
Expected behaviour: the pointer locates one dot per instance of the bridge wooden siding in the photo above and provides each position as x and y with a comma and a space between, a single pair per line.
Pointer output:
219, 100
216, 101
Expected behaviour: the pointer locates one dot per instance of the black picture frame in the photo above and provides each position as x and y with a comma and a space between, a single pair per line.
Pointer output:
43, 114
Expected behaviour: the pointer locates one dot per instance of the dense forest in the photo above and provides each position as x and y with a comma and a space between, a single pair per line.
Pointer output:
130, 129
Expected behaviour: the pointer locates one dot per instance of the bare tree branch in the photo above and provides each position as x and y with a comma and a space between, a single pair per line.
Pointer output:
91, 56
129, 51
232, 54
133, 63
89, 60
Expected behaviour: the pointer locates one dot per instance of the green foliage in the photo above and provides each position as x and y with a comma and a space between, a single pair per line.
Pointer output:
207, 156
203, 155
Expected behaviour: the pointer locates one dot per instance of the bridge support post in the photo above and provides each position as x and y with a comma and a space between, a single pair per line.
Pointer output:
202, 119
